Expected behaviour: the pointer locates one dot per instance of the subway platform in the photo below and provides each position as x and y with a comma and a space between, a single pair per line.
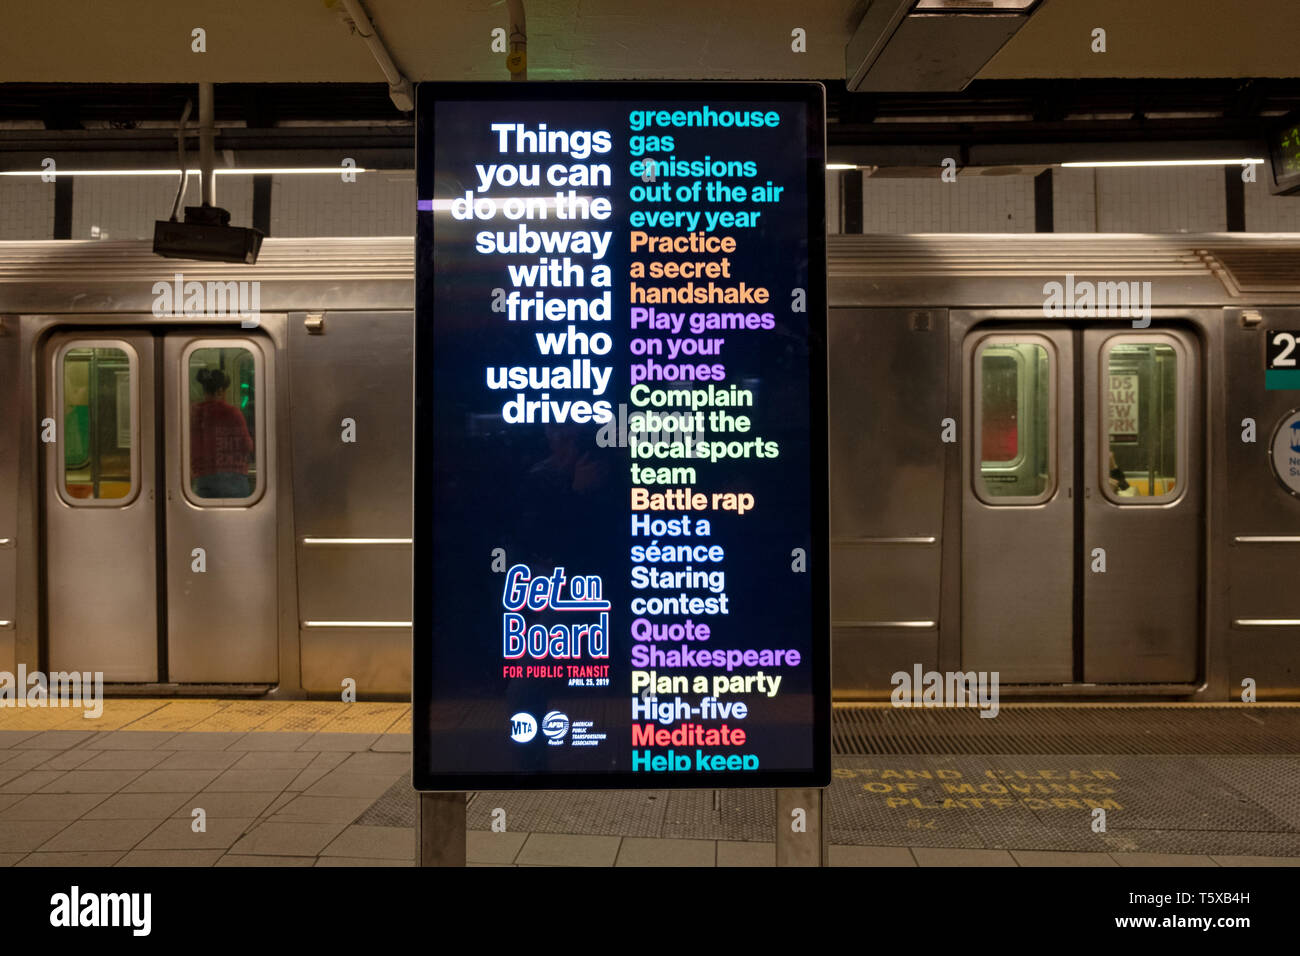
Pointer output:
313, 783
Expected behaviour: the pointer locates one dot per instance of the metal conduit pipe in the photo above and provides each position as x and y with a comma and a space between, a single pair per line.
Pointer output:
518, 34
207, 130
399, 87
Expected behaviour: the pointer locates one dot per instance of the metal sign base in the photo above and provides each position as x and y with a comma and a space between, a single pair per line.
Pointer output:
441, 833
801, 835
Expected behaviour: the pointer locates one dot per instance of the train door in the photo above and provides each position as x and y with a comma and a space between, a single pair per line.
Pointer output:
1082, 506
159, 507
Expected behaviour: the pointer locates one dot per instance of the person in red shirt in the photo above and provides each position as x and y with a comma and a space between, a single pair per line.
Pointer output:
220, 445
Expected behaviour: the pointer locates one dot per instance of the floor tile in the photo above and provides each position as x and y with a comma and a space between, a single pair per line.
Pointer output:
100, 835
30, 760
57, 739
280, 838
31, 782
360, 861
71, 760
1161, 859
1255, 860
77, 858
124, 759
870, 856
273, 760
172, 781
306, 778
170, 858
323, 809
248, 781
200, 760
484, 846
390, 843
741, 853
1061, 858
139, 806
943, 856
130, 740
91, 781
199, 740
273, 740
281, 800
26, 835
236, 859
392, 743
220, 833
565, 849
337, 784
354, 742
651, 851
52, 806
226, 804
390, 765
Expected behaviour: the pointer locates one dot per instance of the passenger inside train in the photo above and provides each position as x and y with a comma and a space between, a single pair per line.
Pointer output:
220, 445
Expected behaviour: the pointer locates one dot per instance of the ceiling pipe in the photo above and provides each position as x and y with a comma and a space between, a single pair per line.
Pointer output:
207, 130
518, 36
399, 87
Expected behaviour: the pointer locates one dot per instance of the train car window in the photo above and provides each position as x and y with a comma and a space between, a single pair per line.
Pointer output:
98, 434
1014, 420
221, 445
1141, 434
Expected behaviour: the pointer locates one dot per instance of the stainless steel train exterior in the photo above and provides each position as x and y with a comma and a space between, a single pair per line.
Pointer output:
1066, 499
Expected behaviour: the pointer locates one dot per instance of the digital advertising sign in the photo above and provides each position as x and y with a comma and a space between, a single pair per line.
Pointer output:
621, 520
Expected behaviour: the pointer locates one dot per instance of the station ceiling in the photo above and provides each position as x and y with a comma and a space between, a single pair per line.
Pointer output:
1179, 78
304, 41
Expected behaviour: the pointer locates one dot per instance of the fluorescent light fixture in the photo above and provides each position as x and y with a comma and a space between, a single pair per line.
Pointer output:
841, 166
267, 171
1169, 162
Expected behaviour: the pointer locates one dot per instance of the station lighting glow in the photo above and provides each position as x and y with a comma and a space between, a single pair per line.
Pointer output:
267, 171
841, 166
1169, 162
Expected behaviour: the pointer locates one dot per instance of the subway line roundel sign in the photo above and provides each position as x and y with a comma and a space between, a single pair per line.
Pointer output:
621, 573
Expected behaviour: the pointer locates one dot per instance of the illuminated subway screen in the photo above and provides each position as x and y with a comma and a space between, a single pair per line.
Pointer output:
620, 489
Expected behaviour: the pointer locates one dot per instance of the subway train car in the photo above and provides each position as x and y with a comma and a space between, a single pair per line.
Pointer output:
1092, 506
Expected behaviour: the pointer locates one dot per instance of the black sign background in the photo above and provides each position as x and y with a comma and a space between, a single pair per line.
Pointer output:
481, 484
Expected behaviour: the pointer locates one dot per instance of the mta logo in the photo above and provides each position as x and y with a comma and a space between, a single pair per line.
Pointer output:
523, 728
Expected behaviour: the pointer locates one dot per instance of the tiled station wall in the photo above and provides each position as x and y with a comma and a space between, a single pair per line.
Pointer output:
383, 204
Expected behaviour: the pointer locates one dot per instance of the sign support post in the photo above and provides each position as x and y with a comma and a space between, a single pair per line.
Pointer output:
441, 829
801, 837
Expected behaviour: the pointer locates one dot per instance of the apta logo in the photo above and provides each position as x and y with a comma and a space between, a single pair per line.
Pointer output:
555, 725
523, 728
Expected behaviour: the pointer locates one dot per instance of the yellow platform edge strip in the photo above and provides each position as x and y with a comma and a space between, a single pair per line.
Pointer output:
214, 715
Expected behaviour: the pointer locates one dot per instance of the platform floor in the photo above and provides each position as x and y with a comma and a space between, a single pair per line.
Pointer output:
312, 783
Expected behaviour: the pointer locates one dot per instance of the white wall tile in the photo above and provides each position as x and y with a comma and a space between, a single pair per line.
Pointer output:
383, 204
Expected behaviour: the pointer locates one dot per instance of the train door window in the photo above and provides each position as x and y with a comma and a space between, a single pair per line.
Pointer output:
1143, 434
223, 446
98, 425
1014, 420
